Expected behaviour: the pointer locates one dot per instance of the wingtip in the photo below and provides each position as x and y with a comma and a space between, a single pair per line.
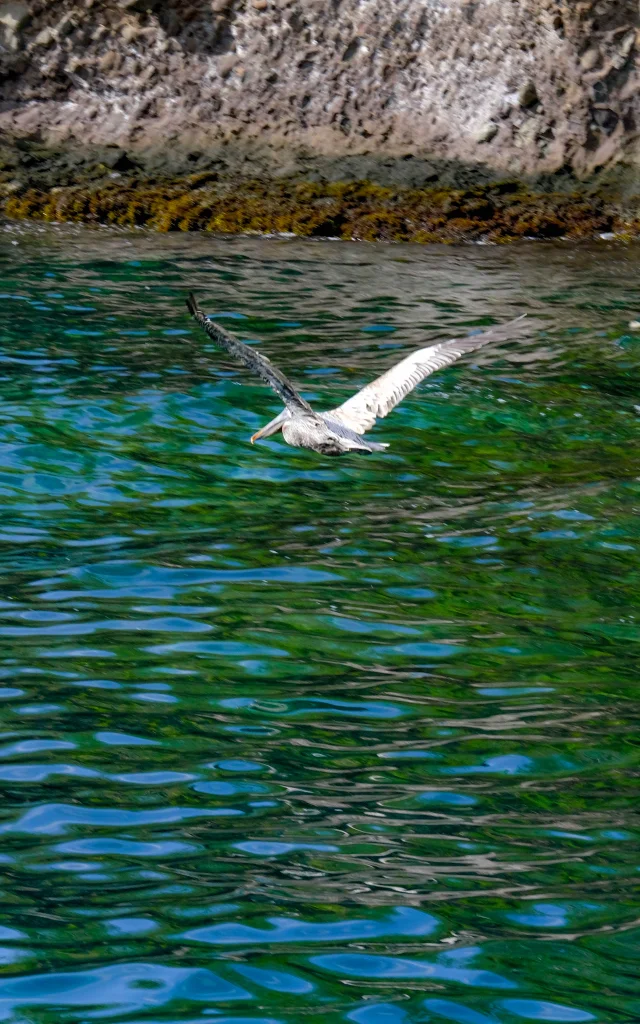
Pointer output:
508, 323
192, 304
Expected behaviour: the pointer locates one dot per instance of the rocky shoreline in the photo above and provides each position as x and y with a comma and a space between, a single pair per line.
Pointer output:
495, 212
422, 120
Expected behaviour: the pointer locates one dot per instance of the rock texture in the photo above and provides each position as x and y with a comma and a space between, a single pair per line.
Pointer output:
405, 91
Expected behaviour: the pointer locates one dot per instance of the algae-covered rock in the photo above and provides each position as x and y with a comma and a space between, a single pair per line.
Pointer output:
350, 210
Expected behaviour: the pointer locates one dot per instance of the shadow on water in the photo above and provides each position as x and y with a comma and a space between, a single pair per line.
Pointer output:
286, 738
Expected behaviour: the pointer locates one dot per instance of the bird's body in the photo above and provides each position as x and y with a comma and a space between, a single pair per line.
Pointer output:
341, 430
316, 432
324, 434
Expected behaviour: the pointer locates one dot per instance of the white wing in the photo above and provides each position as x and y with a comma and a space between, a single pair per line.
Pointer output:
377, 399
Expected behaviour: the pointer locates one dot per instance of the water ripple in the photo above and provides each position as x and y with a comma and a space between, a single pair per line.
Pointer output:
285, 737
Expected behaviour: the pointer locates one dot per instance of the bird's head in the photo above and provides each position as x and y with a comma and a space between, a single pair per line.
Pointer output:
272, 427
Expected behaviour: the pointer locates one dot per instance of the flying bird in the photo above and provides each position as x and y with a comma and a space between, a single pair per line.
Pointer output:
341, 430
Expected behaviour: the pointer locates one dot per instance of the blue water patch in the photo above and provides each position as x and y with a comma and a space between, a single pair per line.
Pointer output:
513, 691
226, 648
347, 708
35, 746
379, 1013
450, 1010
276, 980
401, 921
42, 772
451, 799
581, 837
414, 593
503, 764
542, 915
237, 765
537, 1009
274, 849
426, 650
218, 788
56, 819
130, 987
362, 965
154, 778
101, 848
124, 739
130, 926
74, 332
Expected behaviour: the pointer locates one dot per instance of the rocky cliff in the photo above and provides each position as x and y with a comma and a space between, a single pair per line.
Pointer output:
405, 92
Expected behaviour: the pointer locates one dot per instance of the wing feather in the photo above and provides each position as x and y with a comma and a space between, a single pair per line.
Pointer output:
251, 358
378, 398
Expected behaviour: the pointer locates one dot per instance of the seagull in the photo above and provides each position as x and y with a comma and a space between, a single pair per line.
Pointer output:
341, 430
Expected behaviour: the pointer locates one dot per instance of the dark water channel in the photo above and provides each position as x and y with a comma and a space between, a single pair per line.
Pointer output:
292, 739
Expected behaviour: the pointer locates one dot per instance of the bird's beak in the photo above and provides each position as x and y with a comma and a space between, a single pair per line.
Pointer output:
258, 434
272, 427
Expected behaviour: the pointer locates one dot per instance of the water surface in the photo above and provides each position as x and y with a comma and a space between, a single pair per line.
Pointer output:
291, 739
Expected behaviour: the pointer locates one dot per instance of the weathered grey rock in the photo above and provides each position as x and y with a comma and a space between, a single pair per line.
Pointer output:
226, 64
328, 89
528, 95
487, 132
65, 26
139, 5
589, 59
109, 61
14, 15
8, 188
130, 32
45, 37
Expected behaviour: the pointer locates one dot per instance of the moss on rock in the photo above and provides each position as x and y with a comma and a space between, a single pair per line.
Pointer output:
499, 211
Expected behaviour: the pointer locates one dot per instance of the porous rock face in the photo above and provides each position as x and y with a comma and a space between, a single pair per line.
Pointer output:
394, 91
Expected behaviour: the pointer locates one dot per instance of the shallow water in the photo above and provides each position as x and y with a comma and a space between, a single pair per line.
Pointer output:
287, 738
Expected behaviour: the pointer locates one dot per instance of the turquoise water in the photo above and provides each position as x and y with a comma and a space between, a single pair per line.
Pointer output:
293, 739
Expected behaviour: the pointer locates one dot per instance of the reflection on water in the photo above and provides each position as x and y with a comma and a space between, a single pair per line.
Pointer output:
286, 738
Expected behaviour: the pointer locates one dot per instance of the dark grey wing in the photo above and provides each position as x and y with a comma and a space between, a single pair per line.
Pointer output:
251, 358
377, 399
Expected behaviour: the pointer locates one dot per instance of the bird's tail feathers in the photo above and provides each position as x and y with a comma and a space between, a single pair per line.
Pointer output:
365, 446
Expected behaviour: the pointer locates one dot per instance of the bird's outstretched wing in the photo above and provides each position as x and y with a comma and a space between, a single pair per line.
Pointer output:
377, 399
251, 358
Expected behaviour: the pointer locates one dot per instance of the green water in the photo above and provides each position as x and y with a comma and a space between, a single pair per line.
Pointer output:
292, 739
